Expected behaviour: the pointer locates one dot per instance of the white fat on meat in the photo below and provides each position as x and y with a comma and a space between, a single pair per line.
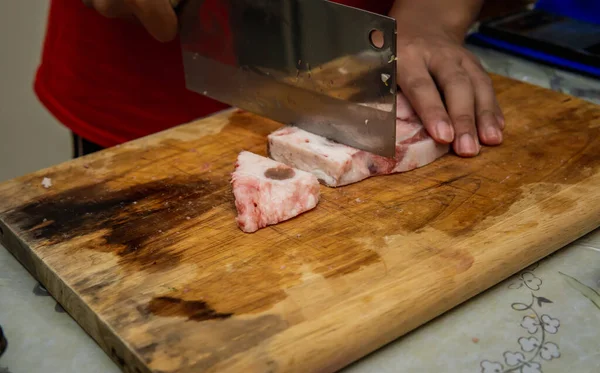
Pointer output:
269, 192
336, 164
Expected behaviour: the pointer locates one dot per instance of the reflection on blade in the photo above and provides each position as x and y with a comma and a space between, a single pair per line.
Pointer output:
308, 63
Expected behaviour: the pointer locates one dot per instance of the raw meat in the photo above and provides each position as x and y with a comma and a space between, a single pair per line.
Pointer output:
268, 192
336, 164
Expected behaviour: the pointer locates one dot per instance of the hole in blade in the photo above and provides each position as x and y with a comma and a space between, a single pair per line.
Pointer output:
376, 38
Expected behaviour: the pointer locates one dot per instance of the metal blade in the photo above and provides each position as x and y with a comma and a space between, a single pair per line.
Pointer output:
308, 63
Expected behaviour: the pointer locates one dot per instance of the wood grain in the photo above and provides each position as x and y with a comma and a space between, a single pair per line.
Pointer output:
139, 243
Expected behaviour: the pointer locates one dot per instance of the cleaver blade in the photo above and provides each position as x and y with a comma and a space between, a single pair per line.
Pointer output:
327, 68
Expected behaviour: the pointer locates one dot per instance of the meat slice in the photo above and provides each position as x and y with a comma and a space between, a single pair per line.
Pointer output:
336, 164
268, 192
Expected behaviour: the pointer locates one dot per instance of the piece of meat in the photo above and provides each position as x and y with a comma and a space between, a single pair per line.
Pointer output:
336, 164
268, 192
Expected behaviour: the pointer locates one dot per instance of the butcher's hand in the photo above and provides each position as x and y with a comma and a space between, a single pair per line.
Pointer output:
434, 67
157, 16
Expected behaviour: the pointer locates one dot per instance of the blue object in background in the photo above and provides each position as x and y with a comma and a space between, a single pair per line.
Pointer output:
582, 10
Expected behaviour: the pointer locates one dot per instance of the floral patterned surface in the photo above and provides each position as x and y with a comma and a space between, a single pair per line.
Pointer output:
538, 325
545, 319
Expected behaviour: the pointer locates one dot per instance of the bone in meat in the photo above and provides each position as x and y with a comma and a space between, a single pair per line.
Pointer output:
336, 164
268, 192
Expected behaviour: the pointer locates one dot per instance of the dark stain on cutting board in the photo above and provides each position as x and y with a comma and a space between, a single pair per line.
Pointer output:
150, 226
93, 286
469, 195
132, 218
195, 310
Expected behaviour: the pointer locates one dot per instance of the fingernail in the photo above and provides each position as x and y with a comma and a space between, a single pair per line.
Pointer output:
492, 133
467, 144
445, 131
500, 121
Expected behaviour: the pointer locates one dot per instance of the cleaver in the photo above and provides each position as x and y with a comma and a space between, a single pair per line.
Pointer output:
327, 68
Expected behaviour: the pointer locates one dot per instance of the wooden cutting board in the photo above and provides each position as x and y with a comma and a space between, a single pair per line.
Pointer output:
139, 244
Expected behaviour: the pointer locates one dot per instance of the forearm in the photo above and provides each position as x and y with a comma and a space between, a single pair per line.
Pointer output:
454, 16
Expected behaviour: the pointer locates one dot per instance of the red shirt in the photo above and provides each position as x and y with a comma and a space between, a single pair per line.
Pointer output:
110, 82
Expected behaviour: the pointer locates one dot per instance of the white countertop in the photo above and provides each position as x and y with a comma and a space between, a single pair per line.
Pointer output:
544, 319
